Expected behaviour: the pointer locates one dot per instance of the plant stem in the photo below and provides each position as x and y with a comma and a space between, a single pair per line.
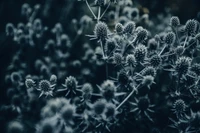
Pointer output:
131, 93
105, 10
90, 9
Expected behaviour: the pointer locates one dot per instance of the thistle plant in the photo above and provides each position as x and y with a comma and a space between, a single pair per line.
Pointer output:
111, 67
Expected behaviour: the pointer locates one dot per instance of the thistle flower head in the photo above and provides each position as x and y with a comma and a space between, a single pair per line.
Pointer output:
108, 90
123, 77
183, 65
190, 26
140, 53
71, 83
99, 106
29, 83
129, 27
149, 71
142, 35
119, 28
179, 106
131, 61
155, 61
110, 110
117, 58
101, 31
170, 38
174, 21
148, 80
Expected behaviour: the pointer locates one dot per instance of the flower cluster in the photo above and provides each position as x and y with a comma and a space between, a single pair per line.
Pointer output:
112, 70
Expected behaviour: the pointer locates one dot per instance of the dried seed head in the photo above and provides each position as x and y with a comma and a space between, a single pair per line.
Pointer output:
142, 35
53, 79
149, 71
101, 30
108, 90
44, 85
123, 77
129, 27
99, 106
148, 80
155, 60
71, 83
131, 61
110, 110
117, 58
119, 28
190, 26
174, 21
182, 65
170, 38
140, 53
179, 106
29, 83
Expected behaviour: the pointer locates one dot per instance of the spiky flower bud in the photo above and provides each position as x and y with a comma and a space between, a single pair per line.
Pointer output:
179, 106
131, 61
71, 83
119, 28
110, 45
45, 86
129, 27
174, 21
101, 30
182, 65
87, 88
155, 60
149, 71
148, 80
143, 103
140, 53
110, 110
170, 38
68, 112
152, 44
179, 50
117, 58
87, 91
142, 35
195, 68
123, 77
99, 106
197, 37
53, 79
29, 83
108, 90
10, 29
190, 26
